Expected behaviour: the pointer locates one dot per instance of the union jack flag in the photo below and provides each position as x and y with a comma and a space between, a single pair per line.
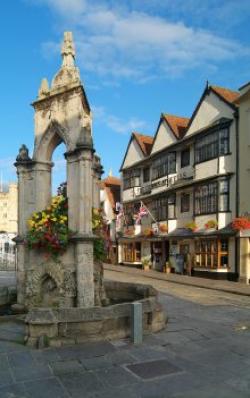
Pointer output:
142, 212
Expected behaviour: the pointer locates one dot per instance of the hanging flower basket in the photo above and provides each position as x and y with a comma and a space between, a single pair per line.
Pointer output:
211, 224
148, 232
163, 228
192, 226
240, 224
129, 232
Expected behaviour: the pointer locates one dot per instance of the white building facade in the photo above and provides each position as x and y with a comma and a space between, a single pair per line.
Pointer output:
188, 179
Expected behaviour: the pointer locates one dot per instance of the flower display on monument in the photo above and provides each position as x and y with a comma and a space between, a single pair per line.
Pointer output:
48, 229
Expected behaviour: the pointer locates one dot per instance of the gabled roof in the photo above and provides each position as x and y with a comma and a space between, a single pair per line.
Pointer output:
145, 142
111, 185
177, 124
228, 95
110, 180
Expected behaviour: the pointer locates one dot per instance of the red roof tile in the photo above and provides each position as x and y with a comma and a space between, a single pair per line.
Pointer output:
145, 142
110, 180
177, 124
226, 94
111, 185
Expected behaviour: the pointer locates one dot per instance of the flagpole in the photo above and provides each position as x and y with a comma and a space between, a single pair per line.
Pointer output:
149, 212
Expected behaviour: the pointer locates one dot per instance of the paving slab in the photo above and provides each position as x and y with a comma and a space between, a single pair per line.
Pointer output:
46, 388
153, 369
13, 391
66, 367
81, 385
116, 377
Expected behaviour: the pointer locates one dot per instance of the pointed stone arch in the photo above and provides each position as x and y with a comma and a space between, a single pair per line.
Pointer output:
53, 136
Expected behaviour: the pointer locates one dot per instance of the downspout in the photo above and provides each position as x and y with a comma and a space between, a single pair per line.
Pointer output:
237, 157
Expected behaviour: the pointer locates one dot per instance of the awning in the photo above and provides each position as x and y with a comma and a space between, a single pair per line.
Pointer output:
181, 233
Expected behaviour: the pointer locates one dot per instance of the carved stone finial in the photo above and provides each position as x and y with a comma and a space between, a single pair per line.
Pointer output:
68, 50
44, 88
68, 72
23, 154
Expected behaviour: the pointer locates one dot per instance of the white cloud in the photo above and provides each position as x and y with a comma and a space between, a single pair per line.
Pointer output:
117, 124
120, 43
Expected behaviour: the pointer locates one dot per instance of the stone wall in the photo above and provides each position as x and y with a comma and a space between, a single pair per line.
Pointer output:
75, 325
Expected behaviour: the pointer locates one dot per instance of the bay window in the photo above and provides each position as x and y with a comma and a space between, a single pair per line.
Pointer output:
131, 178
212, 145
164, 165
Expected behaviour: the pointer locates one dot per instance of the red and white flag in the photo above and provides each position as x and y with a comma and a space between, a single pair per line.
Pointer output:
142, 213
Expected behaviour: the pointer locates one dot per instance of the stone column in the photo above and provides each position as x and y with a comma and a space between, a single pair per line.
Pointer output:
80, 196
26, 203
42, 186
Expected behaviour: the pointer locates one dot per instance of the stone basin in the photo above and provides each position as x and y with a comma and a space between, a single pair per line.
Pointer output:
61, 326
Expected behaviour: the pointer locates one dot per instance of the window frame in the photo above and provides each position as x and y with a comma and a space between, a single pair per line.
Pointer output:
183, 208
214, 256
164, 165
214, 145
183, 152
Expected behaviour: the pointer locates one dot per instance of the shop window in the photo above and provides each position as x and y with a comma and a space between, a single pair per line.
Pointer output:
185, 202
185, 157
137, 252
132, 252
128, 252
211, 253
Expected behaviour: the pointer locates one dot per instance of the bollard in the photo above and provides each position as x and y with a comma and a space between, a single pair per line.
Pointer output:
136, 323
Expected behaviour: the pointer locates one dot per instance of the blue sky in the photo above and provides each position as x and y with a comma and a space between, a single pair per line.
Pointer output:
137, 58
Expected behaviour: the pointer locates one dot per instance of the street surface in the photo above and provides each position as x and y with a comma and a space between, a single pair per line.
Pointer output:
203, 352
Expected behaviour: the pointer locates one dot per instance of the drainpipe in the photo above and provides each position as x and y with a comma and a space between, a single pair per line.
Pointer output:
236, 115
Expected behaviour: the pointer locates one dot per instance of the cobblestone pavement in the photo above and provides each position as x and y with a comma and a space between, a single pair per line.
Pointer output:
203, 352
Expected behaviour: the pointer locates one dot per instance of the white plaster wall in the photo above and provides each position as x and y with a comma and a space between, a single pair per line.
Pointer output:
206, 169
128, 194
224, 219
134, 154
211, 109
164, 138
185, 217
202, 220
172, 225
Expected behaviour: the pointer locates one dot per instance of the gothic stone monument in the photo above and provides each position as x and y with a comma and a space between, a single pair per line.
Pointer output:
62, 297
62, 114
